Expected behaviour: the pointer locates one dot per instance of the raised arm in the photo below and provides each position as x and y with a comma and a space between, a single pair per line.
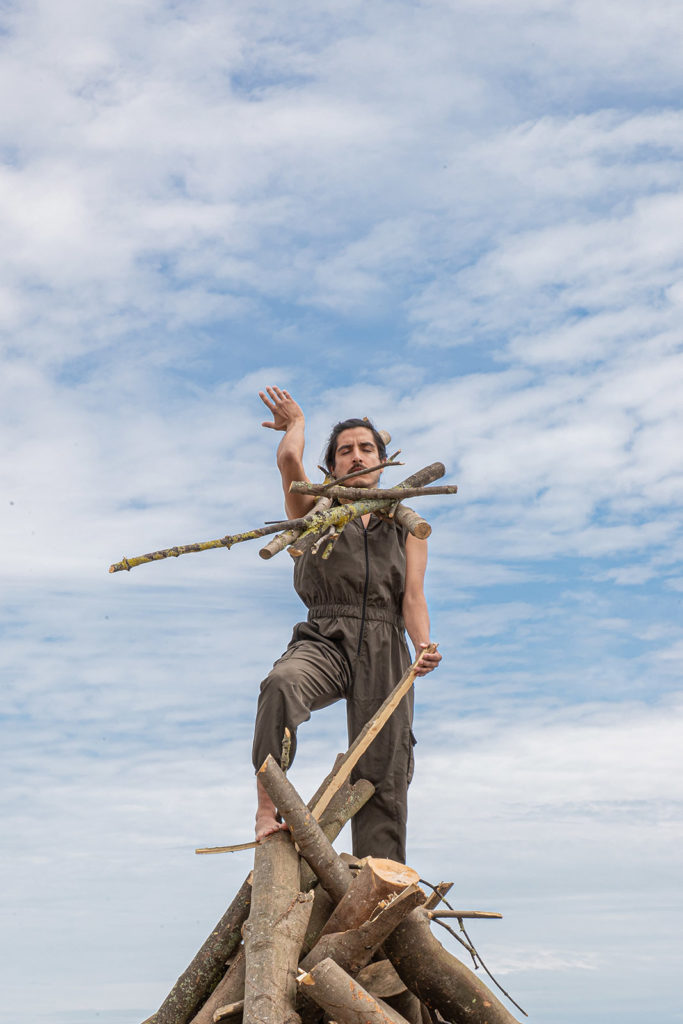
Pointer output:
415, 611
288, 417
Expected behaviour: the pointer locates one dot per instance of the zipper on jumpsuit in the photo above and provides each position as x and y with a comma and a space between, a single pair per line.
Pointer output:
365, 588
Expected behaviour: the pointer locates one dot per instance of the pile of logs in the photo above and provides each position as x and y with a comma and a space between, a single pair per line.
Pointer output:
316, 936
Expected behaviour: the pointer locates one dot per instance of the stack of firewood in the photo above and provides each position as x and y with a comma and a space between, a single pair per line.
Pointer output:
316, 936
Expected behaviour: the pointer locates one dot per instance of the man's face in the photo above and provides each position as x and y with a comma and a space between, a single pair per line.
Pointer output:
357, 448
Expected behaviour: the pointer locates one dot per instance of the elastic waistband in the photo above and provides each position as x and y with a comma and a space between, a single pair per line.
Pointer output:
355, 611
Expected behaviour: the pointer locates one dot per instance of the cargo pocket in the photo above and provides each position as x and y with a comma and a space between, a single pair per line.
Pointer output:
411, 756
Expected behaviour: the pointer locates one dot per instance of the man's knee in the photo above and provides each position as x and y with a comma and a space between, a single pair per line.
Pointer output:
281, 696
276, 685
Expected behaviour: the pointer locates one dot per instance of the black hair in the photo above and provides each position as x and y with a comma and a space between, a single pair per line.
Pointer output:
331, 448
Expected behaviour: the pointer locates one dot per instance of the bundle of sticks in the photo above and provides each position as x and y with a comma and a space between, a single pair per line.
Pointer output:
324, 524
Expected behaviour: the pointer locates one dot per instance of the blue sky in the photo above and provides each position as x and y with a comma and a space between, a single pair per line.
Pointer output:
462, 220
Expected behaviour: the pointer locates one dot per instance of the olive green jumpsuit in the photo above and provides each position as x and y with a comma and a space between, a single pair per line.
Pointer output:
352, 647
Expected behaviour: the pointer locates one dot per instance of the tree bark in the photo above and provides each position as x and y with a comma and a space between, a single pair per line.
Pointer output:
353, 949
381, 980
228, 1011
229, 989
341, 808
314, 845
283, 540
199, 979
377, 880
344, 999
274, 933
413, 522
426, 475
361, 493
323, 905
438, 979
408, 1005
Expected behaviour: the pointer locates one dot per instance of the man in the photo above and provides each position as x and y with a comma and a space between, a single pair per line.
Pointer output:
353, 645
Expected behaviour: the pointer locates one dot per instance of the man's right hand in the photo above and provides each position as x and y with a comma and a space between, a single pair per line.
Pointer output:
284, 409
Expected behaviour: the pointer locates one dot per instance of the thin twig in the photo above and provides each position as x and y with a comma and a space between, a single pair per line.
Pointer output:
470, 949
322, 538
483, 915
435, 888
332, 481
474, 953
333, 540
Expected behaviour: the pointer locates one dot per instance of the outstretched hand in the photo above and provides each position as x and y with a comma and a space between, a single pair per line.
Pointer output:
284, 409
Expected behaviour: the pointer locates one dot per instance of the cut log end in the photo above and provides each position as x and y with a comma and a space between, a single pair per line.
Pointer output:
392, 873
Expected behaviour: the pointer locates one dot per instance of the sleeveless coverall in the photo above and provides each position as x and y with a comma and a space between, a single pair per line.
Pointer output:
352, 648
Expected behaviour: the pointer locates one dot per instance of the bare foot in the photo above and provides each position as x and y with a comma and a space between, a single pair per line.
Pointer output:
267, 825
266, 815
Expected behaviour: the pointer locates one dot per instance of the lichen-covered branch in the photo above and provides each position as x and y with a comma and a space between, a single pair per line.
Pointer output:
205, 545
283, 540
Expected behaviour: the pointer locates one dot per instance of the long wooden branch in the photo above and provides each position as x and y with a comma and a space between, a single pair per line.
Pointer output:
332, 481
228, 990
359, 493
206, 545
361, 743
347, 802
483, 915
